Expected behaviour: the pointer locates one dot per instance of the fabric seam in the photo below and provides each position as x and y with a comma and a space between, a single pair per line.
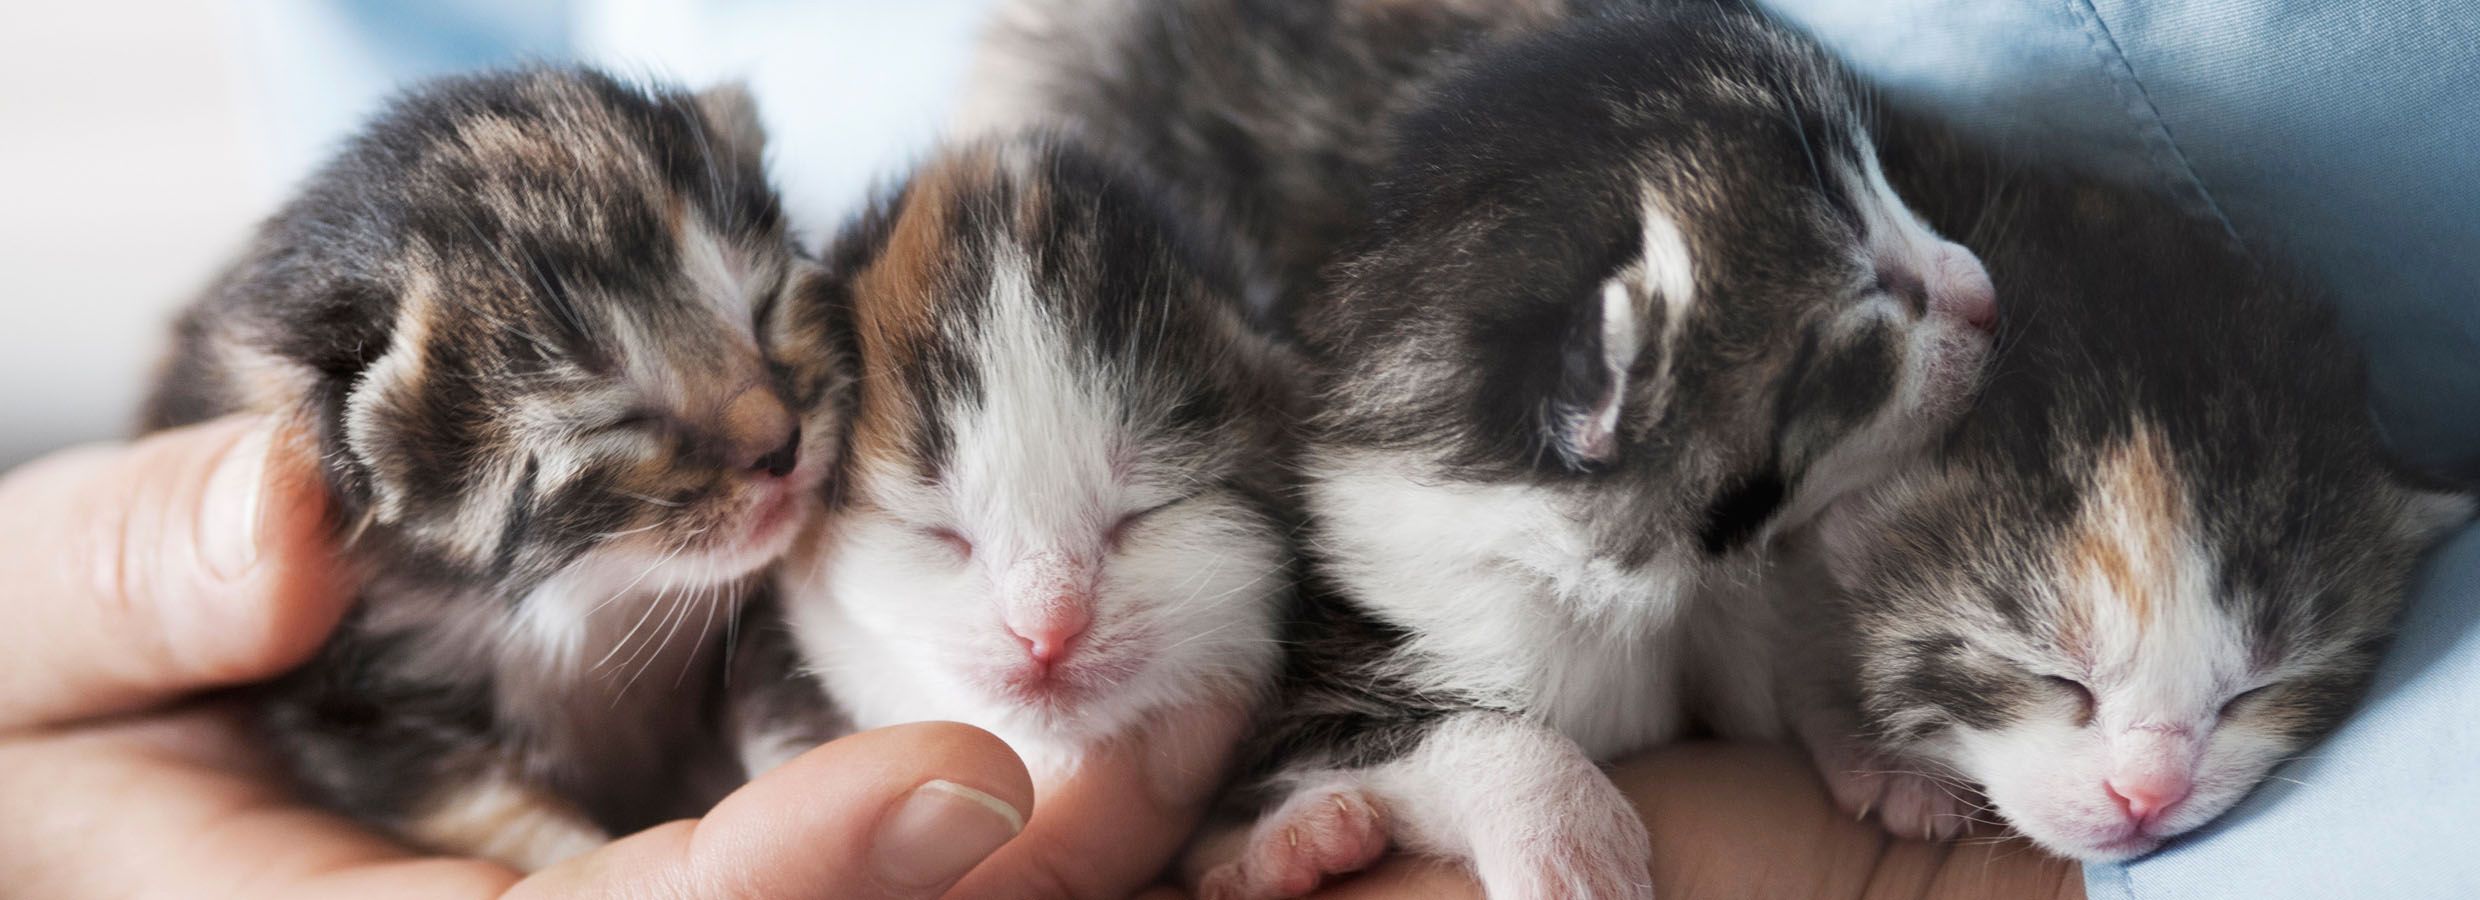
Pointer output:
2140, 106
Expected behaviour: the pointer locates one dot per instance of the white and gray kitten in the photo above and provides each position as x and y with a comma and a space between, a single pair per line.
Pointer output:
2160, 557
1061, 514
1631, 294
543, 328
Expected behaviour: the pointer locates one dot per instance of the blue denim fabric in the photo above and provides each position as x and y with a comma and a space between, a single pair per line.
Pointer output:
2345, 137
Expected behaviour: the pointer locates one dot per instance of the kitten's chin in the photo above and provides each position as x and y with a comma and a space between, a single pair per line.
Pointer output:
1081, 701
771, 518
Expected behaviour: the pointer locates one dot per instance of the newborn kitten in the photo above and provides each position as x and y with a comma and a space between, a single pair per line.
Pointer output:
1267, 112
547, 333
2160, 557
1635, 295
1059, 508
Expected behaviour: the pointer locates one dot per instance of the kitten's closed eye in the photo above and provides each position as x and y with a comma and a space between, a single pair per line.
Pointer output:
634, 420
951, 539
2233, 706
1119, 530
2077, 690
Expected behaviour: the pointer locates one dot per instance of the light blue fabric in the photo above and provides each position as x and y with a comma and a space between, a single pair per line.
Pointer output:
2344, 136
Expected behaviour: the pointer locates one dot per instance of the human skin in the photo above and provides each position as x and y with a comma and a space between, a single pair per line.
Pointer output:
1750, 822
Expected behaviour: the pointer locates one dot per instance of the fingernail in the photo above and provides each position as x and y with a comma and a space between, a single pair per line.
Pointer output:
228, 515
941, 832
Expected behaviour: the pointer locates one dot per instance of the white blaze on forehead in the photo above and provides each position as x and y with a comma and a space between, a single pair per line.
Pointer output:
1031, 468
2139, 591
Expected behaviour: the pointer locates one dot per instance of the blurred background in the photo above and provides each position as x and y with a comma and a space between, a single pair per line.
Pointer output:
143, 139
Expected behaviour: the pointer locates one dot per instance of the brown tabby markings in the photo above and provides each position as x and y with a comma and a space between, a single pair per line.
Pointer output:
894, 321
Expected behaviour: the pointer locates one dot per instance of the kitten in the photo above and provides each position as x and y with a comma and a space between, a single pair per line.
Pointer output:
2161, 556
1061, 511
546, 331
1635, 296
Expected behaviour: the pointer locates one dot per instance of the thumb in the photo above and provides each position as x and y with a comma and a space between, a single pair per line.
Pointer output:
190, 559
898, 813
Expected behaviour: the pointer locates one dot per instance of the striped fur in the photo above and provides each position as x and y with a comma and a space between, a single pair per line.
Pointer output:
542, 327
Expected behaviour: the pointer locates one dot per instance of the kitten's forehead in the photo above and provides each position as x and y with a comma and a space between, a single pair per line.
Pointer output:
582, 207
2140, 598
1032, 325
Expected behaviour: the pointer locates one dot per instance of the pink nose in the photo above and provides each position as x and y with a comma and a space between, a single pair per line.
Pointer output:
2145, 798
1048, 637
1960, 288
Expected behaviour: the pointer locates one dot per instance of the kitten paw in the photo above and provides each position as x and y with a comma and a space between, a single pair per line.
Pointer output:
1599, 851
1906, 804
1315, 834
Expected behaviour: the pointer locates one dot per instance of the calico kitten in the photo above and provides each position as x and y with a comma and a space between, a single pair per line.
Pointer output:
547, 333
2160, 557
1061, 511
1635, 295
1266, 112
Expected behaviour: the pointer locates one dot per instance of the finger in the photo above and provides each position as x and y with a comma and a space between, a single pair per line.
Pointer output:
175, 806
1403, 877
892, 814
1113, 826
193, 558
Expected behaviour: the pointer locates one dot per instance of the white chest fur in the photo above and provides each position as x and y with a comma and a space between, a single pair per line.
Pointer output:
1506, 598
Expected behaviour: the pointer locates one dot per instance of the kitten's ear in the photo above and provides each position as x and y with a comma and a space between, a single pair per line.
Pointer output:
2428, 514
733, 113
1594, 357
1602, 343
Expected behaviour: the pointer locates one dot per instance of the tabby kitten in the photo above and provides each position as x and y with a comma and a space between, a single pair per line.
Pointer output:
539, 326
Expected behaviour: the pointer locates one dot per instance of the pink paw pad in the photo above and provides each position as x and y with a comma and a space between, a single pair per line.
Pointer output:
1314, 835
1907, 804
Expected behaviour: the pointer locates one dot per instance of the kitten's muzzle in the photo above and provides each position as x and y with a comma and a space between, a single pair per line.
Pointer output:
1959, 288
760, 434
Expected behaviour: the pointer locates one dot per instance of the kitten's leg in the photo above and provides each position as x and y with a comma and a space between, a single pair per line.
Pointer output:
1327, 827
1520, 803
1865, 784
1536, 818
507, 821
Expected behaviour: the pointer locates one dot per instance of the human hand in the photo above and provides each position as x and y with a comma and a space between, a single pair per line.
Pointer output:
1114, 824
1752, 821
198, 558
